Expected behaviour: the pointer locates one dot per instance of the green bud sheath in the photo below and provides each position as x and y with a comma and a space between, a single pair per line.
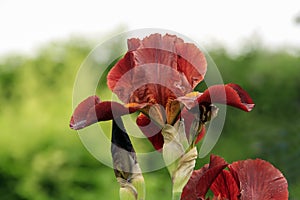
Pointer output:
139, 184
184, 170
172, 149
127, 193
179, 161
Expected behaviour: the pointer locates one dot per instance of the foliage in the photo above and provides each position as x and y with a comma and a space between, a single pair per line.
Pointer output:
42, 159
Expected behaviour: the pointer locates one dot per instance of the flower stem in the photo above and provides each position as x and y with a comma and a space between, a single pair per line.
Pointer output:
180, 162
127, 193
176, 195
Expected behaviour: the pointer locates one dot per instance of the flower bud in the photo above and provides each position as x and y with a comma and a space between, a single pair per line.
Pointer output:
126, 167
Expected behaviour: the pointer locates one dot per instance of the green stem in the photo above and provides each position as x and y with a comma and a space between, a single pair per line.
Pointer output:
176, 195
182, 162
128, 193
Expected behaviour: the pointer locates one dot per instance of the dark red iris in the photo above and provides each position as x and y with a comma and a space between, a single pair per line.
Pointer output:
156, 77
246, 180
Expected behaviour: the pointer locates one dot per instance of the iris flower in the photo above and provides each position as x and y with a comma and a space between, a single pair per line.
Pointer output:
156, 78
246, 179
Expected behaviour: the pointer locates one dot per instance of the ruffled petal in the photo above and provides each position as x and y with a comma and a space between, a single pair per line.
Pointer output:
191, 62
230, 94
225, 186
151, 131
202, 179
260, 180
92, 110
157, 69
150, 76
133, 44
121, 68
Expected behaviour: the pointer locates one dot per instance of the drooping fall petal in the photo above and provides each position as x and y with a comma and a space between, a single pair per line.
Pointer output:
92, 110
202, 179
151, 131
225, 186
260, 180
79, 115
230, 94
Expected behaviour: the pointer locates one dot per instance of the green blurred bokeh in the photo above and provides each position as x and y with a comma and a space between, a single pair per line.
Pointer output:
41, 158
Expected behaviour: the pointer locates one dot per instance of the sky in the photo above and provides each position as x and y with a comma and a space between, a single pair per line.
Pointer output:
24, 25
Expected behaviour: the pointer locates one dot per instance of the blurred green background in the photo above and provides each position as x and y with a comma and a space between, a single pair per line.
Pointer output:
41, 158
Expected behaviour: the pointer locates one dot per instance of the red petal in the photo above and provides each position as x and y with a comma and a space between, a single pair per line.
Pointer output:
151, 131
230, 94
260, 180
202, 179
188, 120
201, 134
91, 110
123, 66
225, 186
216, 165
150, 75
156, 69
107, 110
133, 44
156, 41
191, 62
81, 111
190, 190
